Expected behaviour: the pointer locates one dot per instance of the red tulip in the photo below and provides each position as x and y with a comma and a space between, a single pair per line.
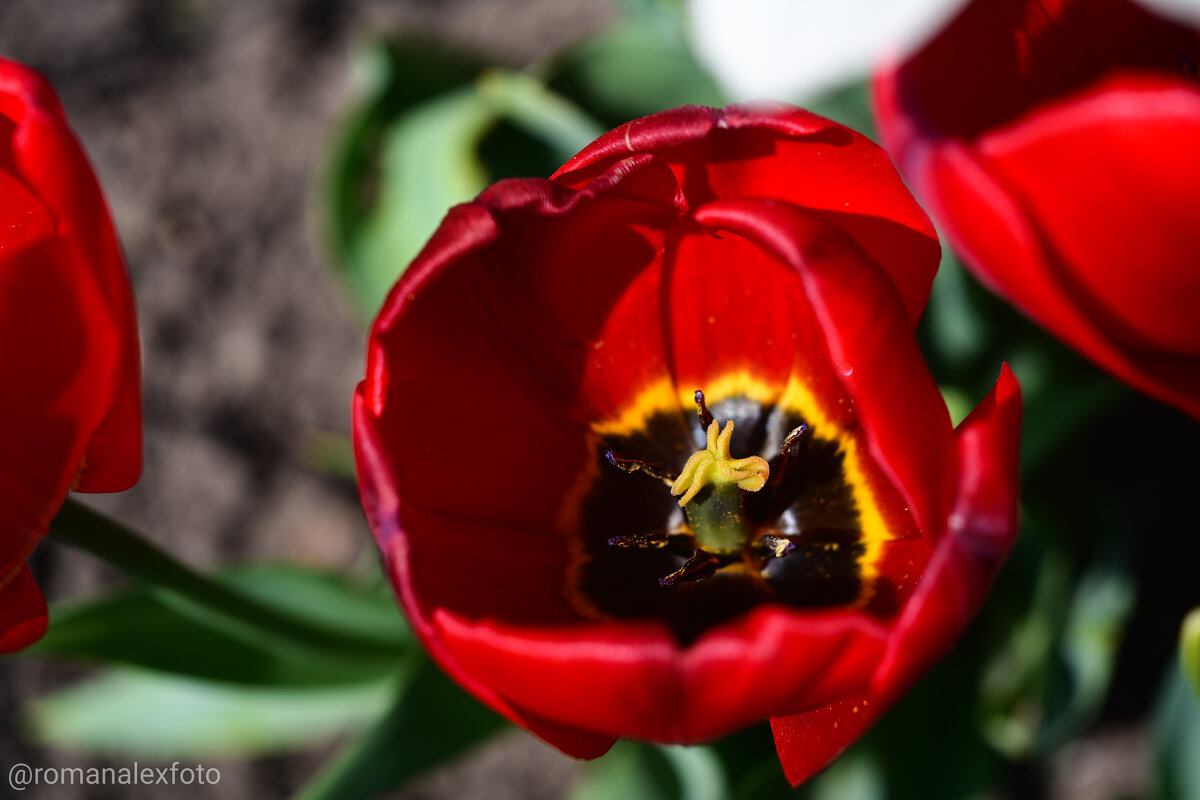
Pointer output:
69, 359
1058, 144
528, 410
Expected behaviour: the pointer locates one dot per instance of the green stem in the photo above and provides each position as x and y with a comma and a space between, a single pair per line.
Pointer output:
194, 594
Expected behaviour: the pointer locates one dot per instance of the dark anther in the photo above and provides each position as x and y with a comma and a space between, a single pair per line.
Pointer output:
776, 545
628, 464
701, 565
706, 417
1187, 66
787, 452
641, 541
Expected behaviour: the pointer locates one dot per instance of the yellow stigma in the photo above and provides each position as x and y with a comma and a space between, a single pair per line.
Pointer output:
712, 465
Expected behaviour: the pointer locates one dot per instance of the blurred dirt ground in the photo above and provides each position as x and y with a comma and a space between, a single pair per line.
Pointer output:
208, 122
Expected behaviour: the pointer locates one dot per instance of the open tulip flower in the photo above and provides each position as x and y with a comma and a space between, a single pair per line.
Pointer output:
650, 450
68, 340
1058, 144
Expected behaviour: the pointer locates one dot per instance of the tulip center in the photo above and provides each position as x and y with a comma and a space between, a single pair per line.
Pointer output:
714, 486
783, 506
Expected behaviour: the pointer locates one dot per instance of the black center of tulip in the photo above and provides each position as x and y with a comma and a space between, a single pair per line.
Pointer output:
795, 539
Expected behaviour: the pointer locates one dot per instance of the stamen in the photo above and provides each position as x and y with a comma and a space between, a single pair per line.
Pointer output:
706, 417
630, 464
642, 541
787, 453
777, 546
701, 565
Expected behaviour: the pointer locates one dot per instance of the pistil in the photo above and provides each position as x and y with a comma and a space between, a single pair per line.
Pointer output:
712, 483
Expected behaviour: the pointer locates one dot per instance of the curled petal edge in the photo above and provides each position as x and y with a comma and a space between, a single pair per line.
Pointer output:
981, 531
382, 505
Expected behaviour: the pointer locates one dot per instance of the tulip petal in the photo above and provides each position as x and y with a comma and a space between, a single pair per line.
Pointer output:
869, 348
23, 614
383, 508
983, 525
633, 679
1000, 241
792, 155
48, 159
1020, 54
956, 579
495, 331
1128, 255
1064, 178
45, 298
808, 742
729, 320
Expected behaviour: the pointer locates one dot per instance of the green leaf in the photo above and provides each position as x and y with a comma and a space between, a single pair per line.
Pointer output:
420, 146
544, 115
1189, 649
234, 611
698, 770
632, 769
1061, 397
155, 716
432, 722
429, 163
957, 331
849, 105
629, 769
136, 628
855, 776
1053, 675
1177, 739
638, 67
398, 79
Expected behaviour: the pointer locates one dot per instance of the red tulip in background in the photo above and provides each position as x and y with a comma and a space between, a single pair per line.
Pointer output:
70, 415
529, 402
1059, 146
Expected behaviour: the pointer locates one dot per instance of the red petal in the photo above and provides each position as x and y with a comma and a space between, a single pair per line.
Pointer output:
382, 505
47, 301
869, 344
982, 528
1064, 177
808, 742
1000, 240
788, 154
956, 579
633, 679
1127, 252
485, 356
47, 158
23, 614
1019, 54
729, 313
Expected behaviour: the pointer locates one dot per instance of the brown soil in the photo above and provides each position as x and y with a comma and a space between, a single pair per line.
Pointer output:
208, 122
